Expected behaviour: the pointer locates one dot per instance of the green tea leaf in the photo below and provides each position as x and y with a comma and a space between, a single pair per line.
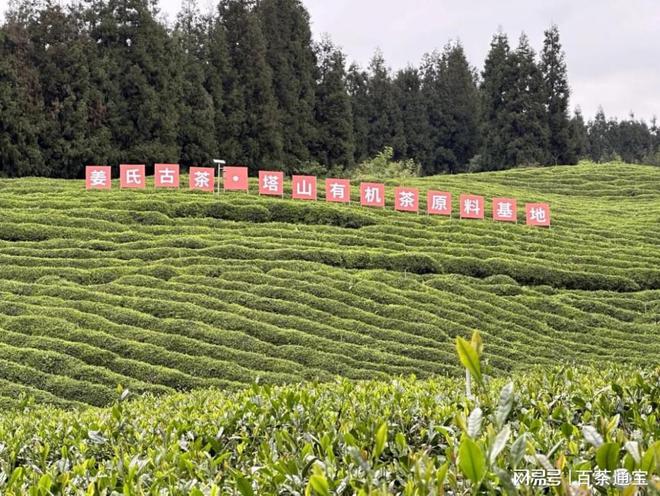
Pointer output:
504, 405
499, 443
319, 484
471, 460
381, 439
474, 422
469, 358
607, 456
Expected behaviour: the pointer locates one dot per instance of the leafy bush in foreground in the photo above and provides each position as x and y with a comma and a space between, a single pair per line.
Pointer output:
402, 436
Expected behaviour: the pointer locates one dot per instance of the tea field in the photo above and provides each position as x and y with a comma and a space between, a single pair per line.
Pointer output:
164, 291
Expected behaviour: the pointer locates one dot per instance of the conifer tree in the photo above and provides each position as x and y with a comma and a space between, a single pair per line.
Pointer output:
579, 141
255, 134
384, 116
414, 115
553, 68
290, 55
526, 128
495, 91
196, 133
460, 99
356, 82
138, 78
20, 106
334, 119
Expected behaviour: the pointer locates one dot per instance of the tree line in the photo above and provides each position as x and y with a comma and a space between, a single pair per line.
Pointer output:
107, 81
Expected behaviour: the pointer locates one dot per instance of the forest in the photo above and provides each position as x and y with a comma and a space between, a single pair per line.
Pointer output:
109, 82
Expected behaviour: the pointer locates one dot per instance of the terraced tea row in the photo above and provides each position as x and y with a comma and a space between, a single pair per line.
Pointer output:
166, 290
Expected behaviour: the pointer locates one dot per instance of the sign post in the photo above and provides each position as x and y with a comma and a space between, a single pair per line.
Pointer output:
219, 163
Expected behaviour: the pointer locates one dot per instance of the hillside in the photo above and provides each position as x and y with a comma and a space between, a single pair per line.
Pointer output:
175, 290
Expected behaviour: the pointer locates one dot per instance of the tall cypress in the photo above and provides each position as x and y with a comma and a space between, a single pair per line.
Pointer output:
138, 79
527, 129
384, 116
460, 99
334, 145
290, 55
579, 141
414, 115
357, 84
494, 104
251, 109
553, 68
196, 133
21, 106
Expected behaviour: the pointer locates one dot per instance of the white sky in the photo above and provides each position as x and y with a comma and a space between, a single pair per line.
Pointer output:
612, 46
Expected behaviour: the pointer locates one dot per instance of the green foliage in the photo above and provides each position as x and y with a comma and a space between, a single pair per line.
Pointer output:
372, 437
176, 290
382, 166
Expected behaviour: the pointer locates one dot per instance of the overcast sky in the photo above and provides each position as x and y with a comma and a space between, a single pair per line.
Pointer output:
612, 46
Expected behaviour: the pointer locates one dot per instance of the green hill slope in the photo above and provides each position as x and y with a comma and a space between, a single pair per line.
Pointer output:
171, 290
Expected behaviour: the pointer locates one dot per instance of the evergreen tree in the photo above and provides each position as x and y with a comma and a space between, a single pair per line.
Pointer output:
460, 101
138, 78
20, 106
495, 95
384, 117
357, 85
555, 78
579, 141
527, 129
196, 134
334, 143
290, 55
600, 146
255, 135
414, 115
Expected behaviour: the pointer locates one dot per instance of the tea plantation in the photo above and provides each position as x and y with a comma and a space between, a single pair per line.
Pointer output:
162, 290
299, 324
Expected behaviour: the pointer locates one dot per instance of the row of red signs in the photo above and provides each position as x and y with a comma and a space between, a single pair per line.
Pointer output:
304, 188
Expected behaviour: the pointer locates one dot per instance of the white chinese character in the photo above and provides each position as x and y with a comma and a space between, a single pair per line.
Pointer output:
202, 179
166, 176
406, 199
439, 202
372, 195
639, 478
471, 206
539, 478
621, 477
584, 478
601, 477
337, 190
537, 214
98, 178
133, 176
272, 183
554, 477
521, 477
304, 188
504, 210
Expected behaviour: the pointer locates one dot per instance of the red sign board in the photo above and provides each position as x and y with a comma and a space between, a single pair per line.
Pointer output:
303, 187
235, 178
505, 209
471, 207
202, 178
166, 175
271, 183
372, 194
338, 190
132, 176
406, 199
438, 202
98, 177
538, 214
